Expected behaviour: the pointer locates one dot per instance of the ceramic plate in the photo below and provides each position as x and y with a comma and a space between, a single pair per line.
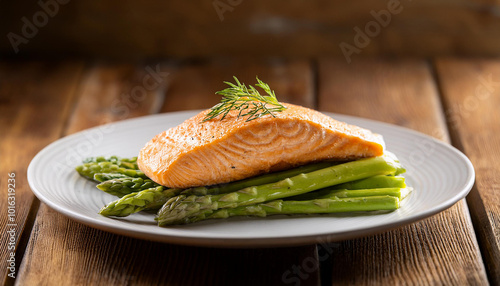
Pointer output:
439, 174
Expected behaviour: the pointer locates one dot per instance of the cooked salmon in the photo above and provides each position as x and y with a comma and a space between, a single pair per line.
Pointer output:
198, 153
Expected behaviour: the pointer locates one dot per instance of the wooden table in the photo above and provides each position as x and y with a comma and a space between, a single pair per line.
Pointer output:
455, 100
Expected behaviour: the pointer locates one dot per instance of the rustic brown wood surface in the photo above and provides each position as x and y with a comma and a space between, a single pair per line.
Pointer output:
403, 93
471, 92
40, 102
35, 99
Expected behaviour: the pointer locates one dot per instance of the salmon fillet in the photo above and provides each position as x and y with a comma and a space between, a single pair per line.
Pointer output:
197, 153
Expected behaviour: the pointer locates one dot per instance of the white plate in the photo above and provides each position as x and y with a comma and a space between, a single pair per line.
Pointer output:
439, 174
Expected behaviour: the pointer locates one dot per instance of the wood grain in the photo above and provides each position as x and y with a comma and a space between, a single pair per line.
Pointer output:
35, 99
194, 85
63, 252
441, 250
471, 95
129, 29
68, 253
112, 92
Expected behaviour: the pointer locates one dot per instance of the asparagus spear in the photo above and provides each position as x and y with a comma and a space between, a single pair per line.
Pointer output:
88, 170
152, 198
101, 177
327, 205
374, 182
331, 192
343, 201
255, 181
400, 169
123, 186
178, 209
126, 207
97, 159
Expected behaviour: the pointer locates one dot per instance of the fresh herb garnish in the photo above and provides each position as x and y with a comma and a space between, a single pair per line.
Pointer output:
247, 100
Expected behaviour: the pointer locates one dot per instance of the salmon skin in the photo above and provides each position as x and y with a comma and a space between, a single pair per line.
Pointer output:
197, 153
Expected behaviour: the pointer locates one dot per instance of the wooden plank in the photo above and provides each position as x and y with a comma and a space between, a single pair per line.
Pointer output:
83, 255
258, 28
193, 86
441, 250
35, 99
471, 96
113, 92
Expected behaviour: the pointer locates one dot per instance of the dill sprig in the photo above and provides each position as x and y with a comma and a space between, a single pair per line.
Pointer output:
247, 100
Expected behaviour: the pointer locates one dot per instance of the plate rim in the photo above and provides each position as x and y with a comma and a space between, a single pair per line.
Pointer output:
260, 241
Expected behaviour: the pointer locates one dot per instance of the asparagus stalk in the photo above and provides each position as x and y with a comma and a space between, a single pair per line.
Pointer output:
323, 206
152, 198
102, 177
123, 186
128, 206
400, 169
331, 192
129, 165
88, 170
374, 182
255, 181
97, 159
178, 209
